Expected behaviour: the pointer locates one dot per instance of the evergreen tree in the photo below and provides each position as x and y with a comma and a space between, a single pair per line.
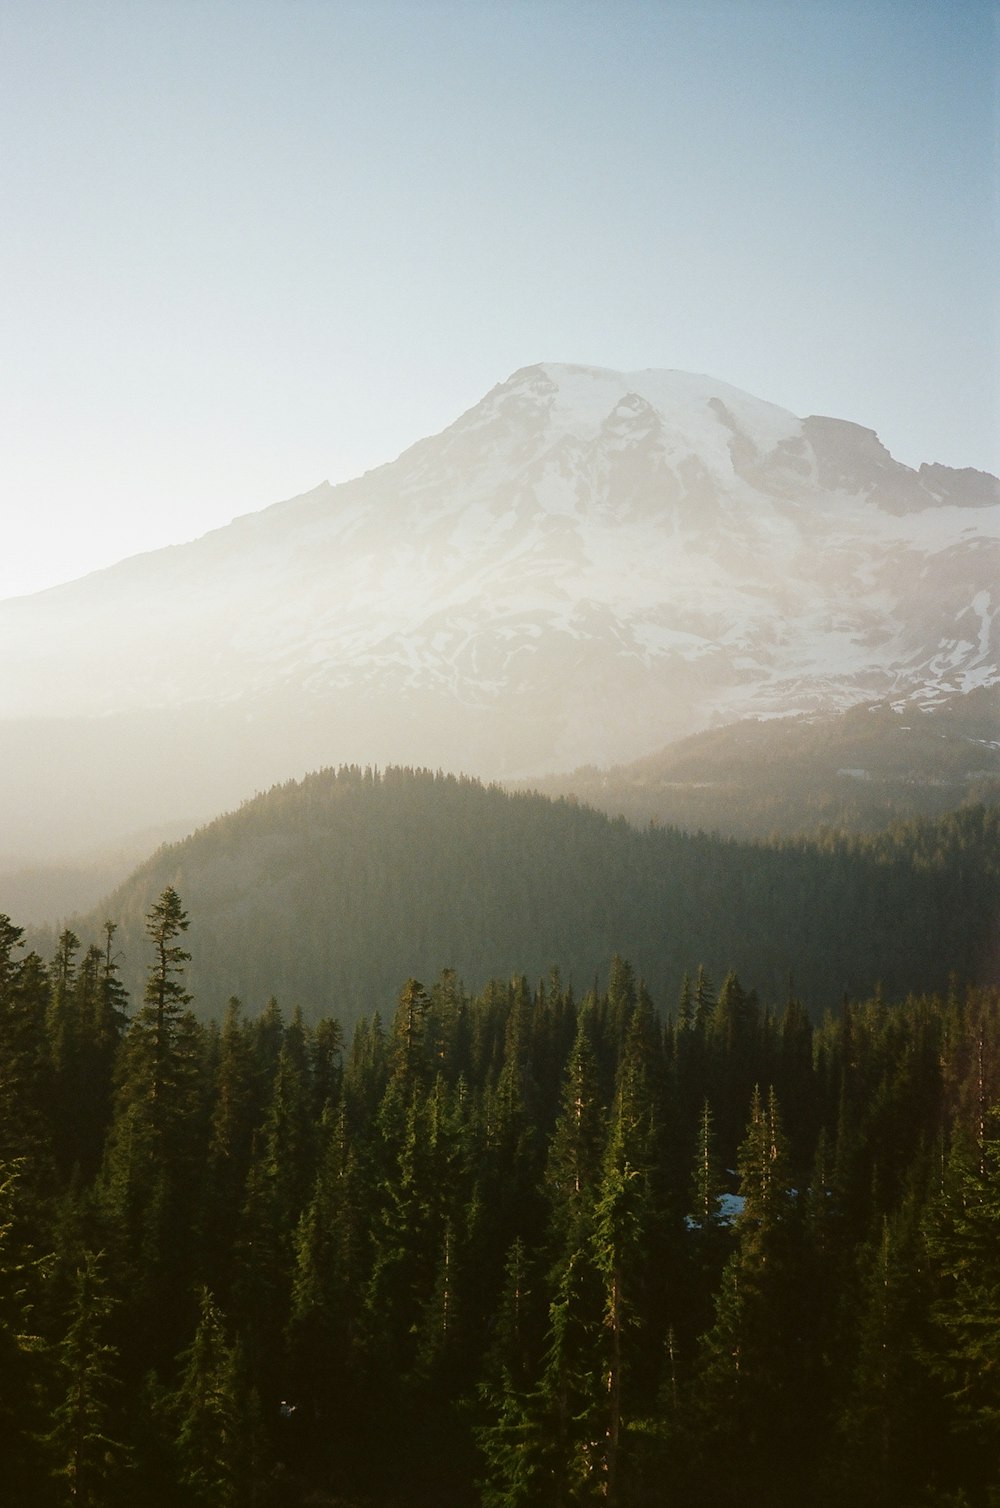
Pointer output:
752, 1390
63, 1034
887, 1419
165, 996
154, 1155
963, 1236
219, 1441
795, 1083
230, 1141
707, 1179
710, 1237
288, 1132
89, 1459
409, 1050
21, 1349
403, 1244
737, 1058
570, 1393
100, 1011
619, 1220
26, 1098
328, 1369
512, 1169
577, 1143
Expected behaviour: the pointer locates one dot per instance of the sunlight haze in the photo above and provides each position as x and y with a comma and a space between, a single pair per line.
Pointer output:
252, 246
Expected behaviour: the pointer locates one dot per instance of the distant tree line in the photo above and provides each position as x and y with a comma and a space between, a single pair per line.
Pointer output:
328, 891
515, 1248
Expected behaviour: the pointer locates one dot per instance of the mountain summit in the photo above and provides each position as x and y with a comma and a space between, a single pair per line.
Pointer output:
584, 566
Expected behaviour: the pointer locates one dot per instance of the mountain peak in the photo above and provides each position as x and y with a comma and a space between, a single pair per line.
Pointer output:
577, 400
585, 565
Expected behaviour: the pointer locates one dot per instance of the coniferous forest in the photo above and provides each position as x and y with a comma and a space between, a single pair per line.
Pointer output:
328, 892
524, 1248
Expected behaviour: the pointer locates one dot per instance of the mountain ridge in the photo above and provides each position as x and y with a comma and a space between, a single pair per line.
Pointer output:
337, 887
850, 772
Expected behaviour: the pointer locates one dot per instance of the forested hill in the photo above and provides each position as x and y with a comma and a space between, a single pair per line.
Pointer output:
329, 892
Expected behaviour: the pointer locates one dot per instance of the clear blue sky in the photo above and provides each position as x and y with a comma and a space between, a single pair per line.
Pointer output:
249, 245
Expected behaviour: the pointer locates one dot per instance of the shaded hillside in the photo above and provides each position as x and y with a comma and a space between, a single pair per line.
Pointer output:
855, 771
852, 772
329, 892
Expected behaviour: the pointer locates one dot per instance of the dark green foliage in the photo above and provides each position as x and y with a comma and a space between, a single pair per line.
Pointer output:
575, 1150
165, 995
501, 1237
332, 890
752, 1370
85, 1022
219, 1444
26, 1106
22, 1397
87, 1460
963, 1242
154, 1153
887, 1430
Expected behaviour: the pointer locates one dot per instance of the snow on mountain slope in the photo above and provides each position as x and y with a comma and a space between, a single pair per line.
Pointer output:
615, 558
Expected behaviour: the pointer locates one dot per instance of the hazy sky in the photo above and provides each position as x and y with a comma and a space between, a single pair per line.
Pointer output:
247, 246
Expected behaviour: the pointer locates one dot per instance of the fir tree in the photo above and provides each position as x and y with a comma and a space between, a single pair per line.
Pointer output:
26, 1098
577, 1141
219, 1442
751, 1386
963, 1235
165, 995
90, 1460
21, 1348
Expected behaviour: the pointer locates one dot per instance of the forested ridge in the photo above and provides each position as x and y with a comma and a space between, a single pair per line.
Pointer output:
330, 890
523, 1247
851, 771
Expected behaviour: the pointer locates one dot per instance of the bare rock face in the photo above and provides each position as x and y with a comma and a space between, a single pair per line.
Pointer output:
581, 568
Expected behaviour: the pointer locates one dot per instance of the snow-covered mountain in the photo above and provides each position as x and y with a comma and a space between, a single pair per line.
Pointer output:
584, 566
